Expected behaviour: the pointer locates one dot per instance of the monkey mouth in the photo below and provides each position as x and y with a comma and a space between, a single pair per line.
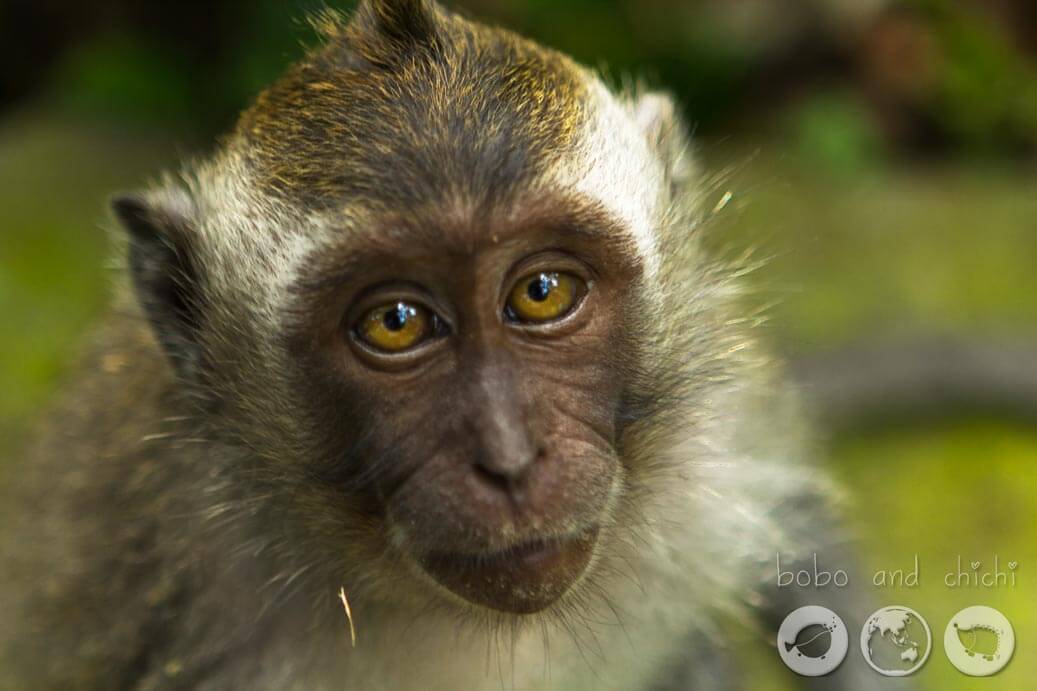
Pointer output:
522, 579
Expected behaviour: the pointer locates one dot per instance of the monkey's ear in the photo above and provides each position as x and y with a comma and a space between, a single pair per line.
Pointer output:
164, 271
657, 117
655, 113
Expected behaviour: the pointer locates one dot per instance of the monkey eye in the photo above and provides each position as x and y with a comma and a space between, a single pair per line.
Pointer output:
397, 326
543, 297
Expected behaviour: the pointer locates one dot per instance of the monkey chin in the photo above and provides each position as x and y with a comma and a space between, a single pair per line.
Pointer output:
522, 579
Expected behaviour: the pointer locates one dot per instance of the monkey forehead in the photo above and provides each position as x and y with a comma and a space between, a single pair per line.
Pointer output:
477, 117
358, 241
476, 122
614, 165
609, 190
449, 156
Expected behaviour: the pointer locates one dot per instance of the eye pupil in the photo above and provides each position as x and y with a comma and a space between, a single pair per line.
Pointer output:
540, 287
395, 319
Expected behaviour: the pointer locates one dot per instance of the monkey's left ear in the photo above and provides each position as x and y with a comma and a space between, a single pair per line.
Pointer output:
163, 269
656, 115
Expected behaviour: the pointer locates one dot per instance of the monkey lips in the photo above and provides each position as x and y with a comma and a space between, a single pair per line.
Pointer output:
522, 579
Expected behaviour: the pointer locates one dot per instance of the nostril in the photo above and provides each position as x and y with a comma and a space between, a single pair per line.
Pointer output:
497, 480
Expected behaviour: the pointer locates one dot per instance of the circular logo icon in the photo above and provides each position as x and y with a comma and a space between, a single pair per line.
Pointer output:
896, 641
812, 641
979, 641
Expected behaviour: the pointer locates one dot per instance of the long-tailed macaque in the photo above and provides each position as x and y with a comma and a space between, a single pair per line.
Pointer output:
427, 354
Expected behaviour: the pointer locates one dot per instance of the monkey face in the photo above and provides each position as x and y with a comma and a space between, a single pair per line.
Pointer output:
414, 289
483, 368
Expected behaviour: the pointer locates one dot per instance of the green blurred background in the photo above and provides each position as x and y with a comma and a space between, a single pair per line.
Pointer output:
882, 156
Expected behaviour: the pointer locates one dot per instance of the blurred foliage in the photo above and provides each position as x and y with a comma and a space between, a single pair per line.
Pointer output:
122, 76
941, 76
851, 248
834, 129
54, 255
983, 90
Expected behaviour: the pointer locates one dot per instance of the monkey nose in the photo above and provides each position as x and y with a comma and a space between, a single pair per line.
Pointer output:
507, 470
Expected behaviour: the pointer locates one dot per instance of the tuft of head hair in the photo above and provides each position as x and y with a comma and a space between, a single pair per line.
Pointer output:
382, 32
405, 102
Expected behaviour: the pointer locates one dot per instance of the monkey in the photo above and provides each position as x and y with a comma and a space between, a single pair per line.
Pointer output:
422, 379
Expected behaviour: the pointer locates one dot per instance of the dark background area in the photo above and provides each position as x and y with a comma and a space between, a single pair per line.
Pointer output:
929, 77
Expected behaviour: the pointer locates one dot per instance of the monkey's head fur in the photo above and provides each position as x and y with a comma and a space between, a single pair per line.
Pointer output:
439, 300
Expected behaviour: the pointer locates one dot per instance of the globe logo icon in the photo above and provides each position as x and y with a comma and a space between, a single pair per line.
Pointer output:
896, 641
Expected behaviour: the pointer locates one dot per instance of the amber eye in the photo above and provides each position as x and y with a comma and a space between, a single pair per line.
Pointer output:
396, 327
543, 297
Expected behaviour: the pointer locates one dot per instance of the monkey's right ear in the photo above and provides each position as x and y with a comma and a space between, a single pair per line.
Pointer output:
164, 271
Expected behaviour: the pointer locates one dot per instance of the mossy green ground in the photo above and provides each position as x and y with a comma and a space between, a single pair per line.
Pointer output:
852, 253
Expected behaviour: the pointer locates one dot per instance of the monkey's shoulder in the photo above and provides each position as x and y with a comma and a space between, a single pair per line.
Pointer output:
80, 539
